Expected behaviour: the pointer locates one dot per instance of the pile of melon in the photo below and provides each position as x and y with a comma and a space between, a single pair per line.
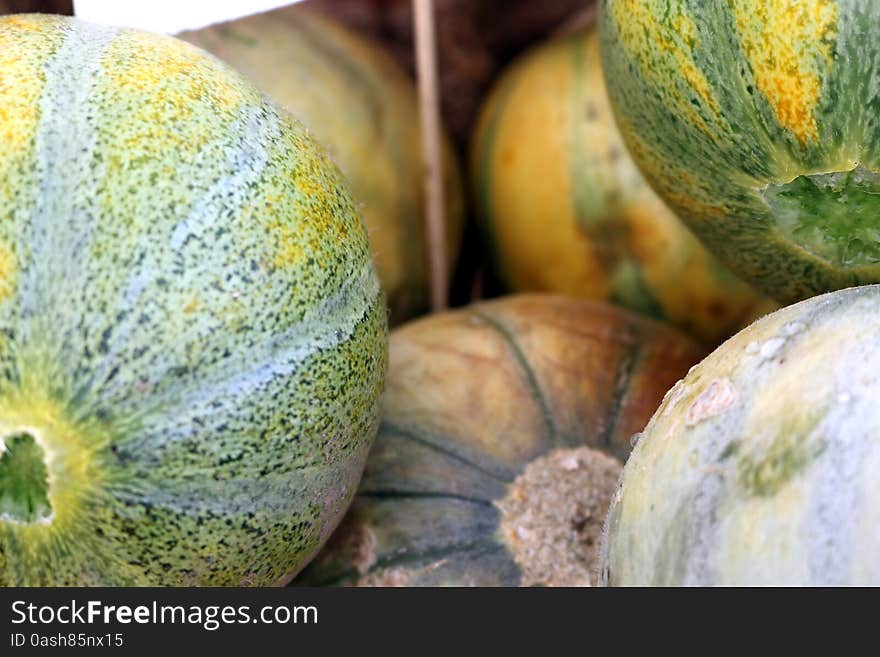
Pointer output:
204, 239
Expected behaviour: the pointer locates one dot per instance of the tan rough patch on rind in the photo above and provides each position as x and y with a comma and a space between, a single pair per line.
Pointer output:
364, 555
553, 513
353, 541
398, 576
715, 400
390, 577
787, 43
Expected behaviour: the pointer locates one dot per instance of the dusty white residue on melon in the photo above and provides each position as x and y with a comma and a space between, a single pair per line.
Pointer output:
792, 328
770, 347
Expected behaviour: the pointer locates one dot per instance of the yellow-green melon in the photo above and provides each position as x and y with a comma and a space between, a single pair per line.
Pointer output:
192, 333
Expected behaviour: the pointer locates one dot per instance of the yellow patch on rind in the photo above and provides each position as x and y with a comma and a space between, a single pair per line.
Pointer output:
23, 50
8, 269
169, 82
162, 64
788, 46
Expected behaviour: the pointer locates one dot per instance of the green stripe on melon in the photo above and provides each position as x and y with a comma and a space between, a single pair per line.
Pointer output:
503, 428
757, 123
191, 329
761, 466
363, 108
565, 209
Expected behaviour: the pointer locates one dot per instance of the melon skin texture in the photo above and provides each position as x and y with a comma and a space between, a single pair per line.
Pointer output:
192, 334
762, 467
565, 209
756, 121
363, 108
476, 397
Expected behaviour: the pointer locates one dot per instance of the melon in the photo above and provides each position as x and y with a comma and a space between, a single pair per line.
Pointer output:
762, 467
363, 108
192, 333
565, 209
504, 426
756, 121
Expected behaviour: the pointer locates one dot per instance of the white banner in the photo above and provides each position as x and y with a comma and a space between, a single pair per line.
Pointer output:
169, 16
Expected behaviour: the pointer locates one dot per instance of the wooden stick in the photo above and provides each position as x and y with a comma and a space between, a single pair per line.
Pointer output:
432, 156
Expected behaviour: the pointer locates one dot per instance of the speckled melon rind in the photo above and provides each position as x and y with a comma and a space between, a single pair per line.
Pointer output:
190, 323
762, 466
725, 105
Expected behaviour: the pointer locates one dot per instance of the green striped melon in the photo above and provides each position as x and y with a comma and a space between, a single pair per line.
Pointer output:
565, 209
503, 428
363, 108
192, 334
757, 122
762, 467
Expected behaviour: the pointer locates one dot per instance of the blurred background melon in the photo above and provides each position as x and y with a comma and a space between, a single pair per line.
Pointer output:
565, 210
